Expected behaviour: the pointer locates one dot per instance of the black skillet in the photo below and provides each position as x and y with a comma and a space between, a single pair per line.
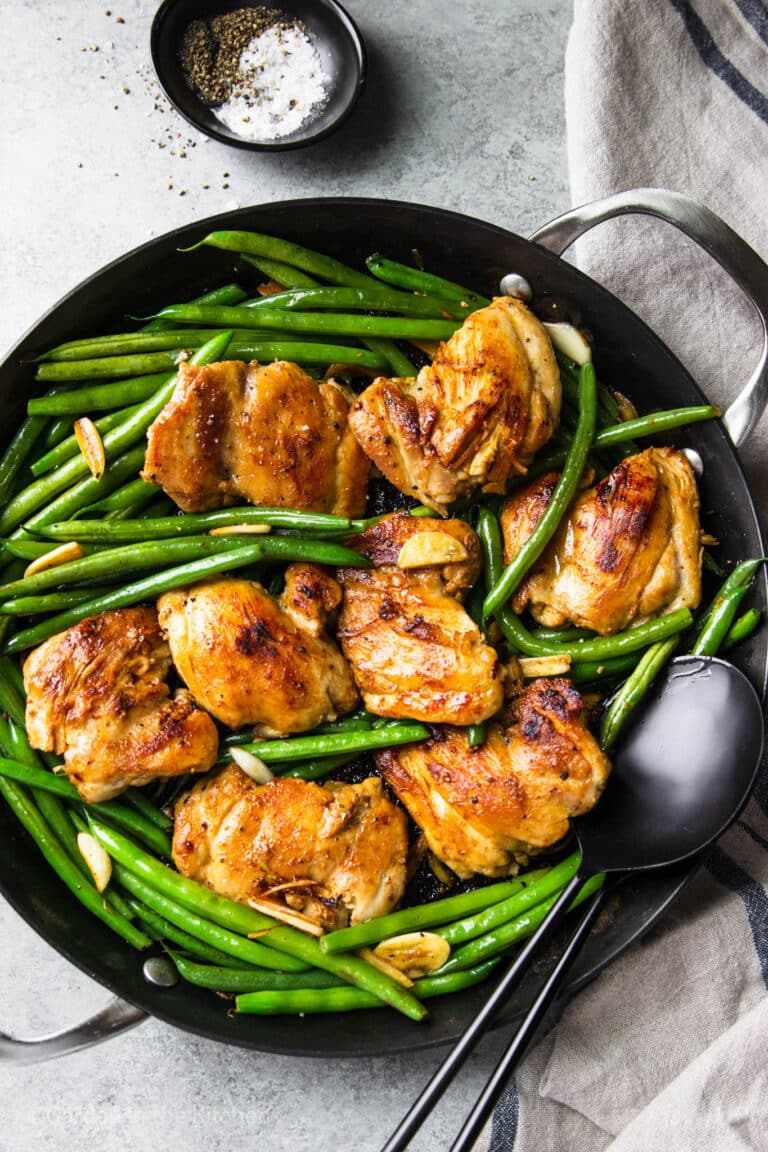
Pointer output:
627, 354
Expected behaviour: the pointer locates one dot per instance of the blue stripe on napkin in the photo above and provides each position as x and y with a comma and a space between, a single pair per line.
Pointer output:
755, 14
505, 1120
719, 63
728, 873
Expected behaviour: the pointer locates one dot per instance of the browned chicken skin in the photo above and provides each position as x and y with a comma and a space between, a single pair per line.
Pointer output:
97, 694
481, 808
243, 840
414, 651
472, 418
625, 551
250, 659
268, 434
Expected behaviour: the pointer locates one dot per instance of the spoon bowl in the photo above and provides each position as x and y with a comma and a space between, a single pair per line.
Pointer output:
681, 773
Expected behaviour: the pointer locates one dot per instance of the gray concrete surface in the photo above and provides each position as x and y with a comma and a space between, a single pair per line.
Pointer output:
463, 110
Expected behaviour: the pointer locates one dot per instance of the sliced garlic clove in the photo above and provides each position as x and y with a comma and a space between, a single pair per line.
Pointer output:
426, 549
97, 859
284, 915
91, 445
59, 555
251, 765
568, 340
382, 965
240, 530
415, 953
534, 666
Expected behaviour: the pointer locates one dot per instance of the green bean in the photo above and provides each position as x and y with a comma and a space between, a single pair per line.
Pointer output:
304, 747
12, 698
192, 523
112, 810
24, 548
656, 422
376, 298
147, 588
251, 979
503, 936
476, 735
281, 273
643, 426
227, 294
325, 323
308, 1001
562, 635
602, 648
742, 628
240, 918
138, 800
117, 440
98, 398
116, 562
289, 277
55, 433
50, 602
13, 739
403, 276
318, 768
86, 491
133, 343
28, 815
110, 367
590, 670
607, 408
388, 351
559, 502
722, 612
273, 248
133, 494
710, 564
161, 929
239, 947
549, 883
69, 447
423, 916
635, 688
17, 453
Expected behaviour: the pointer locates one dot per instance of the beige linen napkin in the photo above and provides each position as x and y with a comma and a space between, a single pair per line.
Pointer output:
668, 1049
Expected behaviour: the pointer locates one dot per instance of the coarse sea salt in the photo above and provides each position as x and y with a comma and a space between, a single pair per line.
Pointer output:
281, 84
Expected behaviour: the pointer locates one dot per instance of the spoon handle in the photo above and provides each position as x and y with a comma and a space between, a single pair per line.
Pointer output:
527, 1029
423, 1105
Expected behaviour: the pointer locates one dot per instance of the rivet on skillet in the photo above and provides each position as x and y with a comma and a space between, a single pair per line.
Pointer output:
513, 284
160, 971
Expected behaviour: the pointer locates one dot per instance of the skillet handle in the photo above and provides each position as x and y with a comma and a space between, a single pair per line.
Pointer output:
117, 1017
715, 237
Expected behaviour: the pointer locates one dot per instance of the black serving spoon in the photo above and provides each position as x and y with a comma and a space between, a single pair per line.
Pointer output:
680, 776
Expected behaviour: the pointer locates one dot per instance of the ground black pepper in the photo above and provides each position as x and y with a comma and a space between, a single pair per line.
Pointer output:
211, 49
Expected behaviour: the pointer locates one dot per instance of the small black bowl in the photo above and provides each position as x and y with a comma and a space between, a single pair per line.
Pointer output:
336, 38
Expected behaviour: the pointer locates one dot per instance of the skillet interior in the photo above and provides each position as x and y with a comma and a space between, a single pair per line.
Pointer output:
628, 356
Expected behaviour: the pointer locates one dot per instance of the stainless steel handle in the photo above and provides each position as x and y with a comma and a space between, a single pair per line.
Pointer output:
715, 237
115, 1018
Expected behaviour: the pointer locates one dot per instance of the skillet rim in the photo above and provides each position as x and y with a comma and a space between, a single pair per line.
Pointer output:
676, 877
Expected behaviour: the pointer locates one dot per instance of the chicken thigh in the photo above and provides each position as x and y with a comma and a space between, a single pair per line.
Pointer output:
336, 855
97, 694
472, 418
627, 549
483, 808
270, 435
250, 659
414, 650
